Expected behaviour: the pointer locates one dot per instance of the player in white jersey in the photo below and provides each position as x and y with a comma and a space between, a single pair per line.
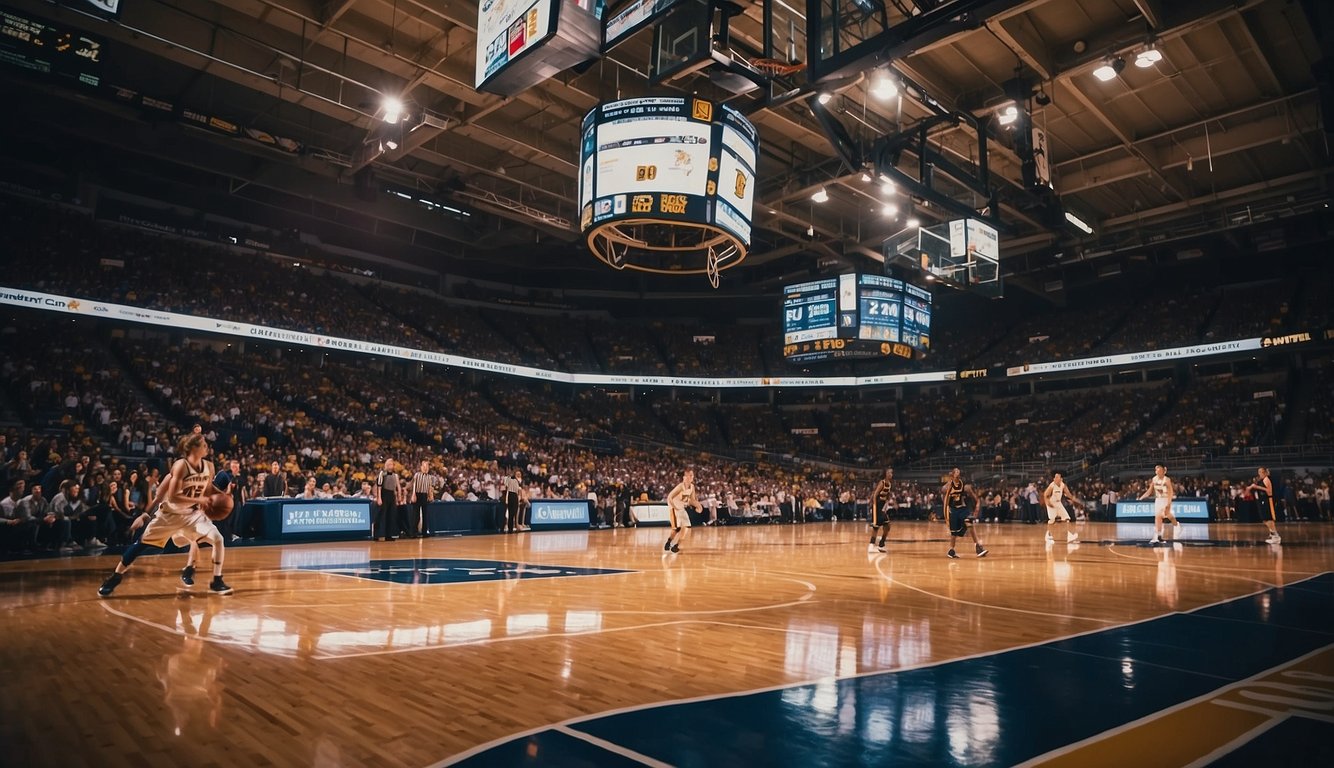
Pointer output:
179, 516
682, 496
1162, 491
1053, 498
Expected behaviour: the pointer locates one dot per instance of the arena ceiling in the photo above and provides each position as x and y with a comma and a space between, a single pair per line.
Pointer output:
1227, 124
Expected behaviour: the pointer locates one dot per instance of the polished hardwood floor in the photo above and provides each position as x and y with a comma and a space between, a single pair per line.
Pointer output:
415, 652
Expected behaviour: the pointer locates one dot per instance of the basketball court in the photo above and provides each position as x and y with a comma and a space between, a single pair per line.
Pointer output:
781, 645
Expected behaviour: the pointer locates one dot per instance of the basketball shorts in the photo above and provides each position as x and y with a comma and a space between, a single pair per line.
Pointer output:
879, 516
680, 518
1057, 512
183, 527
1162, 506
958, 520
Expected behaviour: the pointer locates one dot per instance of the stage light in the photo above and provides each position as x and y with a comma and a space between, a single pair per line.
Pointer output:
914, 222
1110, 69
820, 195
866, 177
891, 210
883, 86
1148, 57
1008, 114
824, 98
393, 109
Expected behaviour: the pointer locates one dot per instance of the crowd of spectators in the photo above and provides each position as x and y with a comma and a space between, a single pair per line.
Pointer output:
1221, 414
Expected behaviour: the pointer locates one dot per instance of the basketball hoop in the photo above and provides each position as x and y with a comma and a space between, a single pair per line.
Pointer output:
777, 68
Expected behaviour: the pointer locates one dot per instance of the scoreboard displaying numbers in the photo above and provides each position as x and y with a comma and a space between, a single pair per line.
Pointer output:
854, 316
45, 48
810, 311
668, 158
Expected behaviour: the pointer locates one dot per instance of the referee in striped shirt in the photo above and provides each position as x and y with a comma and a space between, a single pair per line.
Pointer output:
424, 485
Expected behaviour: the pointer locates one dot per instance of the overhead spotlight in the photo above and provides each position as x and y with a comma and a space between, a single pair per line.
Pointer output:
1190, 163
886, 185
821, 195
1148, 57
1110, 69
391, 144
1008, 114
891, 210
1079, 223
825, 97
1042, 97
866, 177
393, 109
883, 86
914, 222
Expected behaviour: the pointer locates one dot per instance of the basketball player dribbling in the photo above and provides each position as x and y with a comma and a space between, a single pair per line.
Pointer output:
1053, 497
956, 512
1264, 501
179, 514
682, 496
882, 499
1160, 488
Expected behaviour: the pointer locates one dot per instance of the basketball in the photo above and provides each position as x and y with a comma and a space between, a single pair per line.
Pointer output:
217, 506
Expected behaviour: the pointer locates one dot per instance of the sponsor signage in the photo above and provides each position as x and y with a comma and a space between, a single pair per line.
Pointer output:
559, 513
657, 513
326, 517
1283, 341
1155, 355
1183, 508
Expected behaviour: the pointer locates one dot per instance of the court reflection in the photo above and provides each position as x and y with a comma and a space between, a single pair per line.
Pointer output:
191, 678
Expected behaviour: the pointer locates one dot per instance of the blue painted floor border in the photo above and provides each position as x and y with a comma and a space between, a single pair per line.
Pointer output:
992, 710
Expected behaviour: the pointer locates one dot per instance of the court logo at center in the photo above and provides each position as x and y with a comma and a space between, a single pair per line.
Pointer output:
452, 570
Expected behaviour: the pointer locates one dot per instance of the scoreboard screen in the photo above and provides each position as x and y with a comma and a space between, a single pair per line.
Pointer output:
854, 316
668, 158
45, 48
507, 29
880, 305
810, 311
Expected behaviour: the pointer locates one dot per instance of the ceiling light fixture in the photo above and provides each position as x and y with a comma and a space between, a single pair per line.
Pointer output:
1008, 115
1148, 57
393, 109
891, 210
883, 86
866, 177
824, 97
914, 222
820, 195
1079, 223
1110, 69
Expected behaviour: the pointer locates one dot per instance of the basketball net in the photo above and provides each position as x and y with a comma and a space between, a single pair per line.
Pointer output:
711, 267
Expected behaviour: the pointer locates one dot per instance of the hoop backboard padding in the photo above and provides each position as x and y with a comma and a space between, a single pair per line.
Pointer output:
667, 185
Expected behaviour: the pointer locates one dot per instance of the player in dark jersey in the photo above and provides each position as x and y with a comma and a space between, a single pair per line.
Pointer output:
882, 502
956, 511
1264, 501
